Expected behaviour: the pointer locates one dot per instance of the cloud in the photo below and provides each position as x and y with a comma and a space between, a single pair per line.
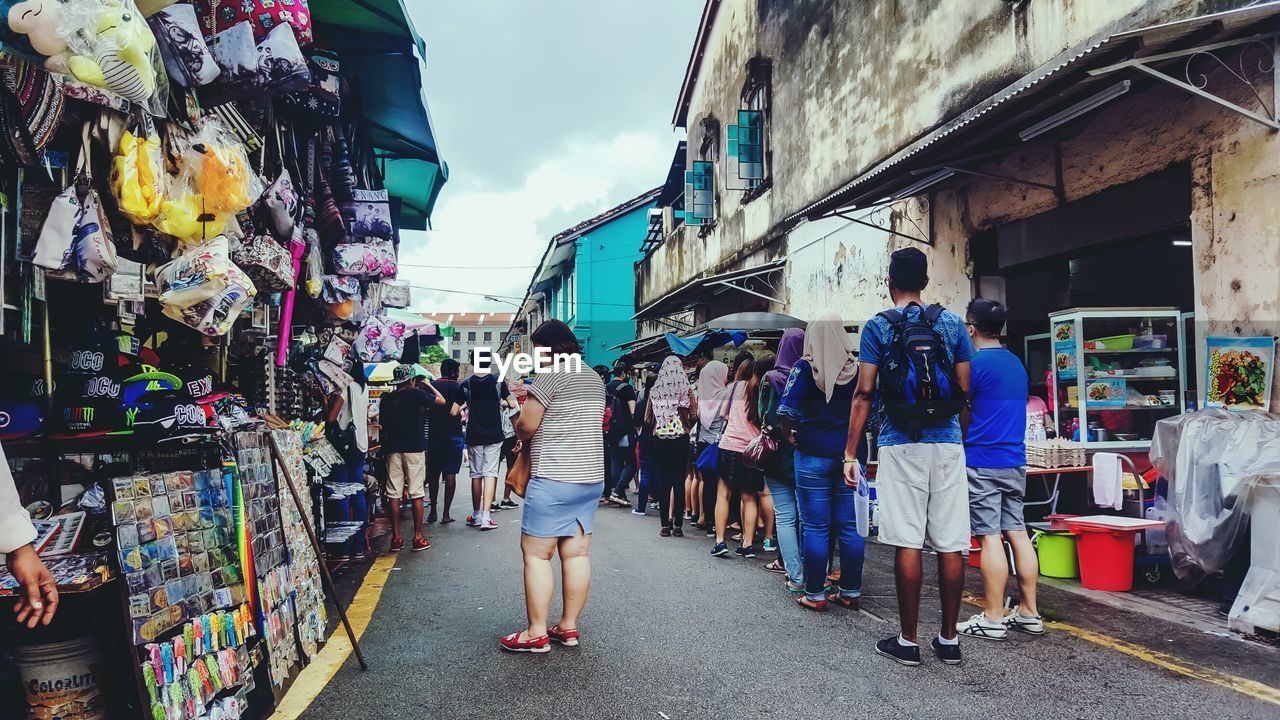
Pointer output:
474, 226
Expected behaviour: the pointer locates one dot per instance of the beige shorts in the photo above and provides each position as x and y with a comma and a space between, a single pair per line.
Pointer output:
923, 496
406, 469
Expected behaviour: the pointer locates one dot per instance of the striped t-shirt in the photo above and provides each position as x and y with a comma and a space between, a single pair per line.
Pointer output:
568, 445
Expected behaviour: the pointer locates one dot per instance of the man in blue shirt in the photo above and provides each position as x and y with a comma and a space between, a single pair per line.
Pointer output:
921, 481
995, 451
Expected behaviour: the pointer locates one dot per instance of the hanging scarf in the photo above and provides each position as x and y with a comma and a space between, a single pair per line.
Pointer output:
711, 379
789, 351
829, 351
671, 391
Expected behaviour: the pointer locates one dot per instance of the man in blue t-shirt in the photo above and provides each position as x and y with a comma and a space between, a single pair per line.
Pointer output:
996, 454
921, 484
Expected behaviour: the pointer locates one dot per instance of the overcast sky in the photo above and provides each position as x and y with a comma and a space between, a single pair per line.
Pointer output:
547, 113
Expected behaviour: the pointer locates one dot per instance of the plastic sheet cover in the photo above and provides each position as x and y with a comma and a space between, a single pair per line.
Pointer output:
1213, 459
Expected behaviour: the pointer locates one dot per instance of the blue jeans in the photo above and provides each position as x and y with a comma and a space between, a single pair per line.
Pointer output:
646, 474
825, 501
786, 521
352, 469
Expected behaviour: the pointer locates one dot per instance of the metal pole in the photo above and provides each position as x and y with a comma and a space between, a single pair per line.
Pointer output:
315, 544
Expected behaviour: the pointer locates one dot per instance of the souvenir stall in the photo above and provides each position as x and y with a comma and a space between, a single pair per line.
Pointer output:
197, 237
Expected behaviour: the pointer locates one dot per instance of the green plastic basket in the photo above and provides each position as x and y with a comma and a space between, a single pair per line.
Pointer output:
1057, 553
1115, 342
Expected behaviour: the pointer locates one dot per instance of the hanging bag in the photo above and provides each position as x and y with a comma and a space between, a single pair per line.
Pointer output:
185, 54
88, 253
262, 16
321, 100
281, 66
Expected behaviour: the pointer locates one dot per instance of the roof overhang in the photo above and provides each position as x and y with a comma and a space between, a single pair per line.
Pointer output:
700, 289
753, 323
1068, 86
681, 115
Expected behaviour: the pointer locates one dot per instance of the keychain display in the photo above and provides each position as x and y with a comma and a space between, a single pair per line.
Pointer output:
175, 543
202, 660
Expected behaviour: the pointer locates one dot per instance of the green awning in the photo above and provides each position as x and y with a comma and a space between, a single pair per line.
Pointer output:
382, 58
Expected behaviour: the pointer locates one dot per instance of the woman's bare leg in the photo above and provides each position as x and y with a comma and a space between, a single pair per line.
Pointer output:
750, 509
723, 493
539, 582
575, 577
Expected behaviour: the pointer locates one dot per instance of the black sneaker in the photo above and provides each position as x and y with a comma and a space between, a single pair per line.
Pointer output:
895, 651
508, 505
746, 551
677, 532
711, 531
494, 507
665, 532
720, 550
949, 654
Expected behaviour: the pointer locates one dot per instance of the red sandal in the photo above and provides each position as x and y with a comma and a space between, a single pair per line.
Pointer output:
848, 603
814, 605
513, 643
567, 638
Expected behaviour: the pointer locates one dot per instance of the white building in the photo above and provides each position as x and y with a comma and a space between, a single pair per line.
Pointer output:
470, 331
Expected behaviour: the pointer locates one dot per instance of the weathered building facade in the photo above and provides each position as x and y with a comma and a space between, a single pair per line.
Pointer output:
1017, 143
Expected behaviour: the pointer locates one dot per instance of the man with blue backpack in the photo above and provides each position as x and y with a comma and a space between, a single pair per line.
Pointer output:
915, 359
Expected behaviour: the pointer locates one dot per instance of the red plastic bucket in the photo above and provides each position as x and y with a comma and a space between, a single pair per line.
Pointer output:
1106, 558
975, 553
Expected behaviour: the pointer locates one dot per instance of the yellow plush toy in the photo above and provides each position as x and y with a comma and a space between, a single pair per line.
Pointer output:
121, 60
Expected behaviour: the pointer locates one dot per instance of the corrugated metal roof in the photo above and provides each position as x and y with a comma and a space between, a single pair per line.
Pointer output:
1152, 40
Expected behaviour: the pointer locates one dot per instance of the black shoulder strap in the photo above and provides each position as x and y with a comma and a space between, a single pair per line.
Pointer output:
893, 316
932, 313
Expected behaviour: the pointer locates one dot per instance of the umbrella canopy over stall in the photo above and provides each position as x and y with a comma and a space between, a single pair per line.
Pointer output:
382, 56
381, 372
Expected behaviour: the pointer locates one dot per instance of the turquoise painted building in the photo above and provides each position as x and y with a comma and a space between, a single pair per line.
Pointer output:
587, 279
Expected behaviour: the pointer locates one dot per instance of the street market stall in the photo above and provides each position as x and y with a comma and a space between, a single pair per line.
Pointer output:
200, 214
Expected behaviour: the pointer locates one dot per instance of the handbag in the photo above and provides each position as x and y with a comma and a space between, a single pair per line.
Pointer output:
357, 260
322, 98
395, 294
262, 16
281, 66
75, 241
368, 214
518, 473
709, 459
759, 450
266, 262
185, 54
30, 110
234, 51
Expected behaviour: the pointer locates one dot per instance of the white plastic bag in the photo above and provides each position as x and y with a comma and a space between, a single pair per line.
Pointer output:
862, 507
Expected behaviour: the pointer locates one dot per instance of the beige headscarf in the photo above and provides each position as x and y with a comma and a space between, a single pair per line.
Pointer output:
829, 351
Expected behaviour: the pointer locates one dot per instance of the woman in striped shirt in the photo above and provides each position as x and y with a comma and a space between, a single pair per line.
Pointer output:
561, 421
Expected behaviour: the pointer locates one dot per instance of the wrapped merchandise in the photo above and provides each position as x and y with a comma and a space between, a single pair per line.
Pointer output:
111, 47
137, 176
1214, 460
219, 170
215, 316
199, 273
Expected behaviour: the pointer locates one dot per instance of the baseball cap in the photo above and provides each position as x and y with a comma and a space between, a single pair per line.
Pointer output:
19, 418
169, 415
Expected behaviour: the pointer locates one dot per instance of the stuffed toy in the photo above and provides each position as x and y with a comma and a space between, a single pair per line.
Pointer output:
121, 59
33, 25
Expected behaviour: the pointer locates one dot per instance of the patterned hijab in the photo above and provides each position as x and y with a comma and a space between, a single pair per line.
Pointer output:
789, 351
671, 391
711, 380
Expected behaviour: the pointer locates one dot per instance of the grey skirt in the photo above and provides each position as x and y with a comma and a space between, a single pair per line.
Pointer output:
557, 509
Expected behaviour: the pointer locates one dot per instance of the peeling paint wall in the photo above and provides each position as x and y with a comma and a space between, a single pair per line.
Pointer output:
856, 80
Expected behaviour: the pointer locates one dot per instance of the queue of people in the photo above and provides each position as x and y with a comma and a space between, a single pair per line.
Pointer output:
776, 447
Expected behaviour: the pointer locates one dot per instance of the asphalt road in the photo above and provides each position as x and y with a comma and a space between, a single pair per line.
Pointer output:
670, 632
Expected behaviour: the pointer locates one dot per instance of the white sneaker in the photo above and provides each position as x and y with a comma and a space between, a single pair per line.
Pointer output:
980, 626
1032, 625
488, 524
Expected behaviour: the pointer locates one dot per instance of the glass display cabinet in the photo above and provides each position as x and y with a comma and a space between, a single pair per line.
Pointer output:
1116, 371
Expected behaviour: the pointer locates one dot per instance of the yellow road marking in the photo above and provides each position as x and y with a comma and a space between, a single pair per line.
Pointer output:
327, 662
1244, 686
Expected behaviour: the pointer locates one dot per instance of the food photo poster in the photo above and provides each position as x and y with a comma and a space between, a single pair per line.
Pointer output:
1238, 372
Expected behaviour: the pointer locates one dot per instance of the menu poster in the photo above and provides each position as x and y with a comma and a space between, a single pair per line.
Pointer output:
1064, 359
1238, 373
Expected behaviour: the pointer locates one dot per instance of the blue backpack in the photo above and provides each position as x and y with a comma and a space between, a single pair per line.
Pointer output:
917, 378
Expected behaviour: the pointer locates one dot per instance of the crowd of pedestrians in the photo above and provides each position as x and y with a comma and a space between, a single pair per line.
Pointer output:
770, 453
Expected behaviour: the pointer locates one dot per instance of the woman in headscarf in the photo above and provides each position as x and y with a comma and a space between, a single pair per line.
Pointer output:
711, 387
671, 410
815, 416
779, 474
